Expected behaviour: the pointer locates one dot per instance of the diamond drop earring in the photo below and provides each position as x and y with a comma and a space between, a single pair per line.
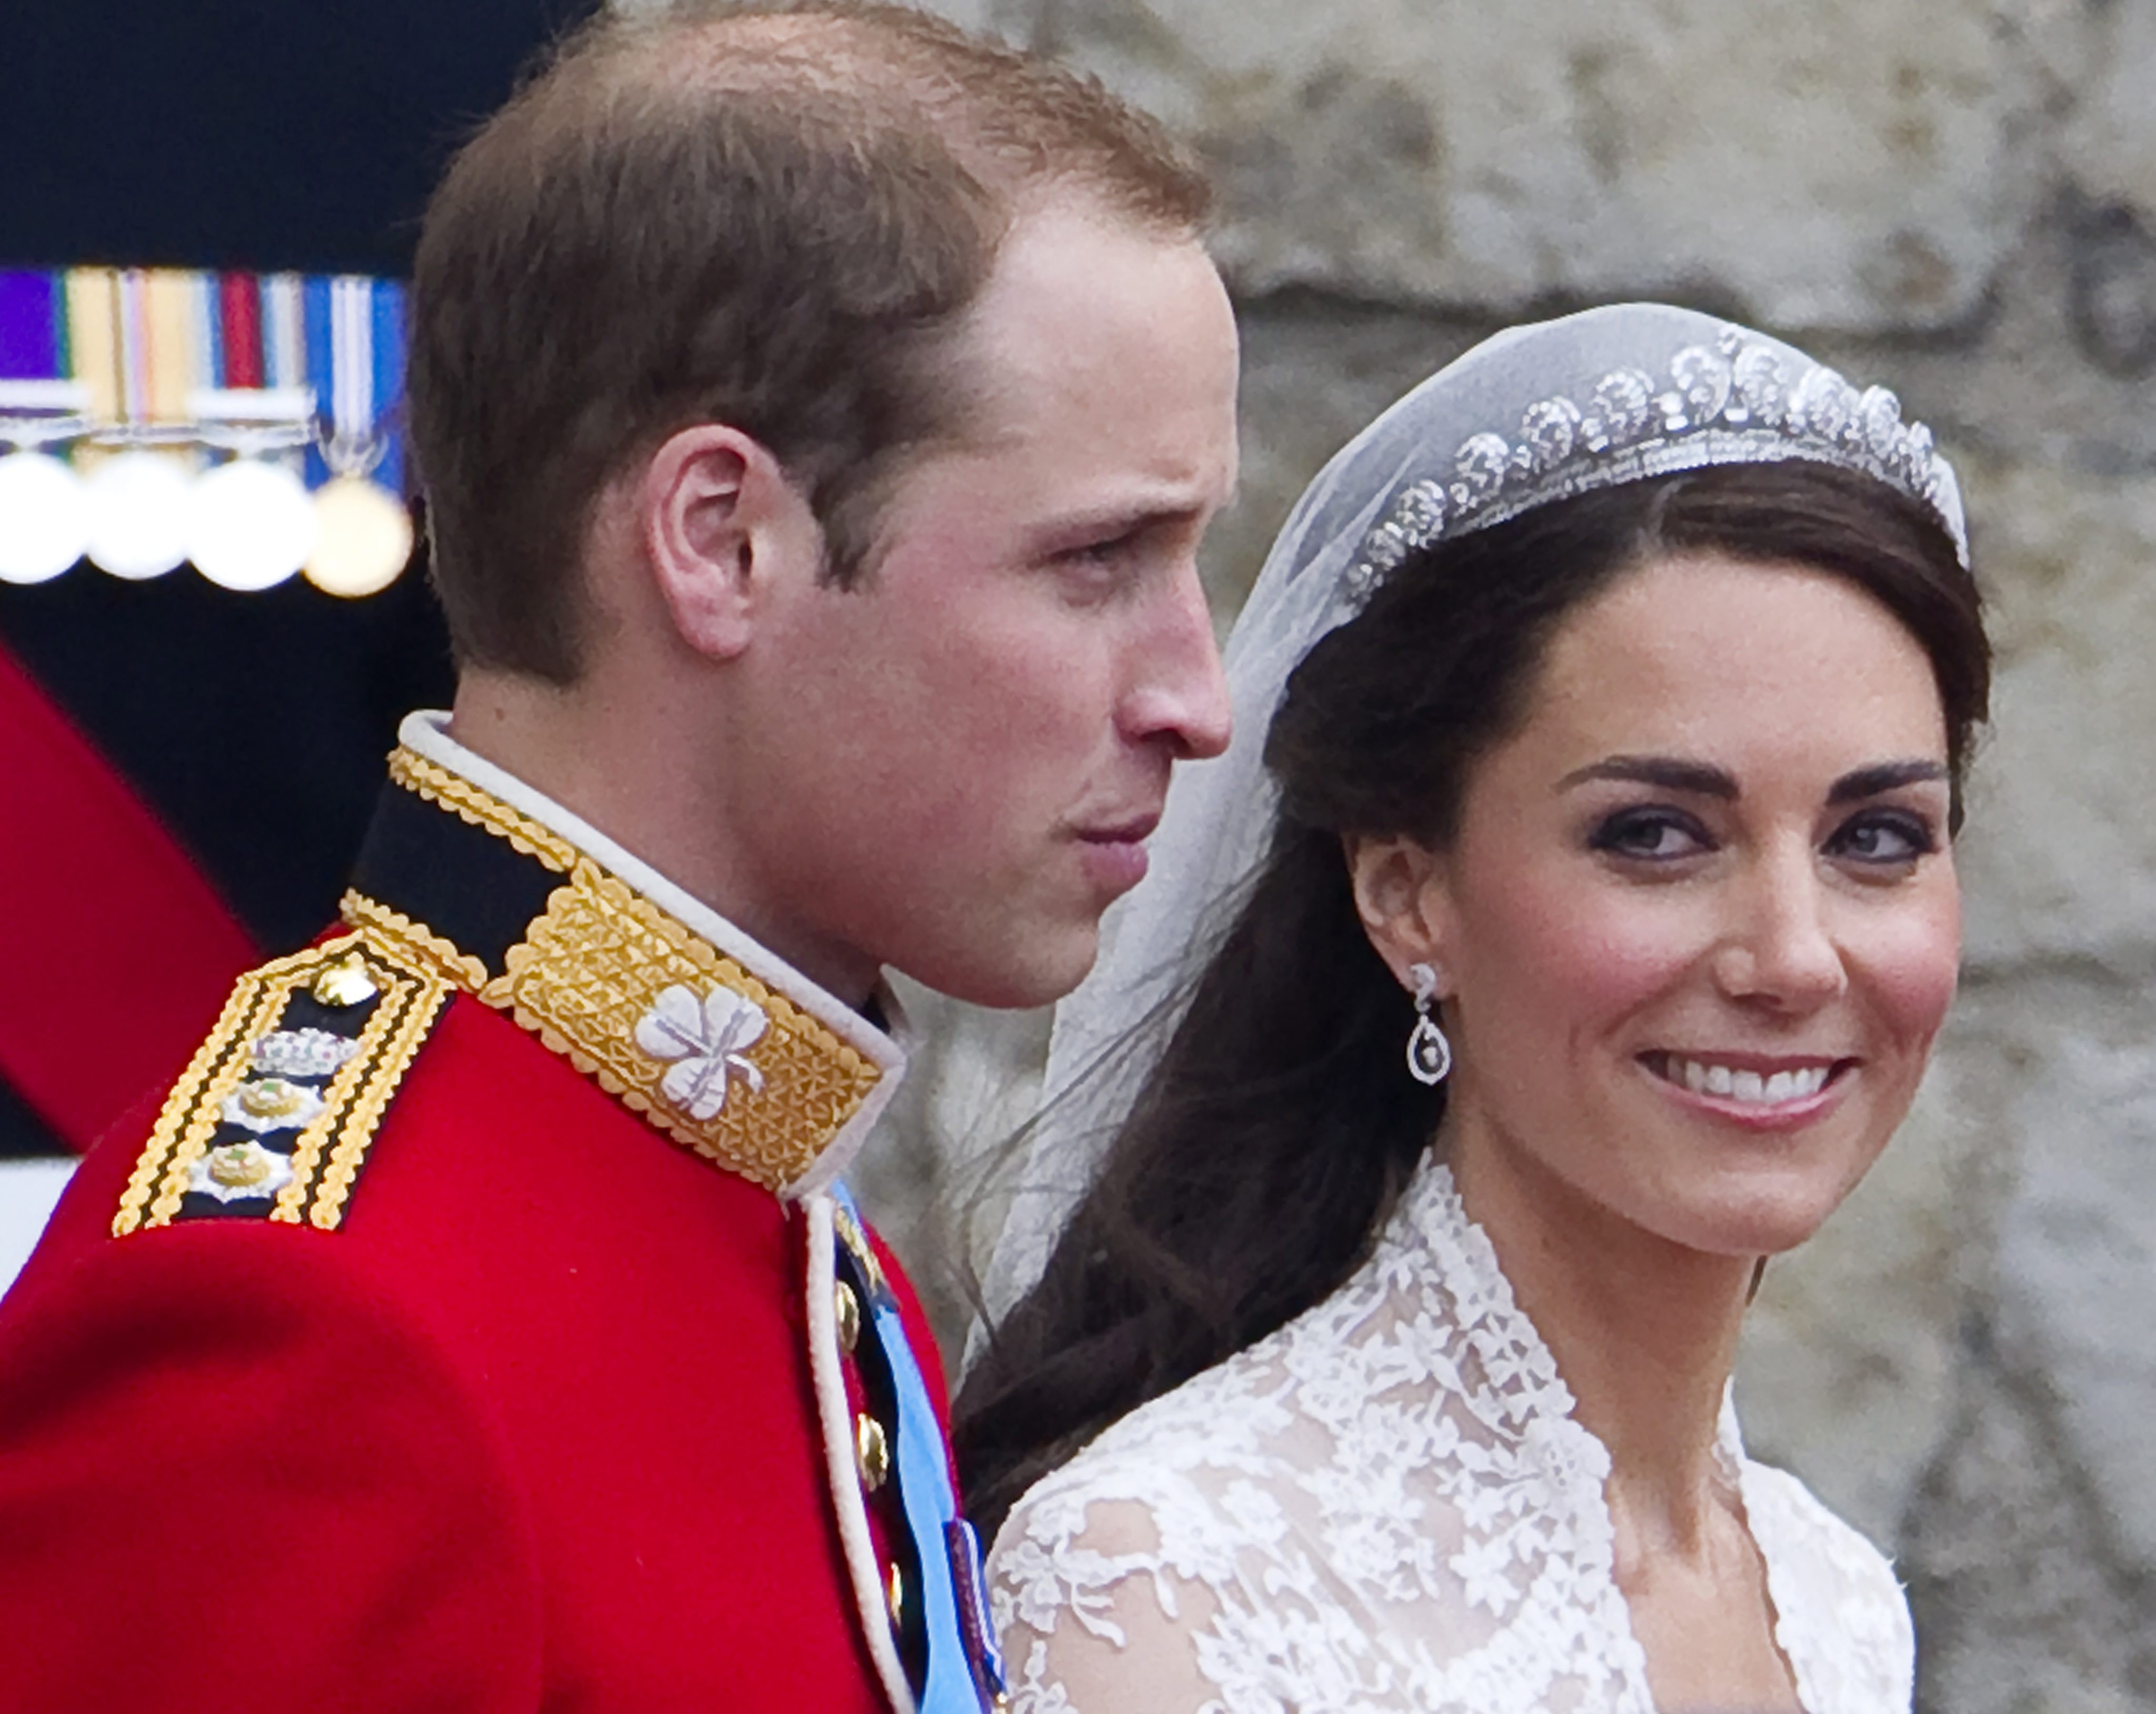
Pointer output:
1429, 1054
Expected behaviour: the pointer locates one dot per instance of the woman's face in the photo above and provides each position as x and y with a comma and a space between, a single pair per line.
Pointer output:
1700, 922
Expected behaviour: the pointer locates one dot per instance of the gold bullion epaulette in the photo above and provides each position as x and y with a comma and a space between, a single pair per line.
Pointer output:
273, 1119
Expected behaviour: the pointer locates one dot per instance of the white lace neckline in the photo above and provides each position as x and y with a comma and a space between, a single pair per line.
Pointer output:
1390, 1504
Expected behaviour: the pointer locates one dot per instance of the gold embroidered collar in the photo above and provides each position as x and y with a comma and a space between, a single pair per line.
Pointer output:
711, 1039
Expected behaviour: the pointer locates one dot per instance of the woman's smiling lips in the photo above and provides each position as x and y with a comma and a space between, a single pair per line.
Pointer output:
1760, 1091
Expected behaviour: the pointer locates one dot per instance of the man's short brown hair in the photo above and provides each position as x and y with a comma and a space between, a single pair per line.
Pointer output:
769, 216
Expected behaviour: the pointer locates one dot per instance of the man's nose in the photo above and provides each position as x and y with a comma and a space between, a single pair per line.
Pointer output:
1178, 690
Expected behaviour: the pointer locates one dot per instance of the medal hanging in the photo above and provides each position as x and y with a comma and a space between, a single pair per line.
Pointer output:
41, 498
366, 533
151, 417
137, 497
251, 525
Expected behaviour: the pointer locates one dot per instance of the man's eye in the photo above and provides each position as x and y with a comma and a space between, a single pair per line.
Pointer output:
1108, 550
1884, 837
1095, 573
1654, 834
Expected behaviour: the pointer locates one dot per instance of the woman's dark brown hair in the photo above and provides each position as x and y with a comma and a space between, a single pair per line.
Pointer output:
1273, 1138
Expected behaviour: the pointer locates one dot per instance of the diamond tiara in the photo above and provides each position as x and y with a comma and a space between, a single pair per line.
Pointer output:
1736, 401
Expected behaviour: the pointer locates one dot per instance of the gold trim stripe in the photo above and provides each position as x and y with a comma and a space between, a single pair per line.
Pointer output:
399, 1046
482, 810
414, 941
410, 997
190, 1113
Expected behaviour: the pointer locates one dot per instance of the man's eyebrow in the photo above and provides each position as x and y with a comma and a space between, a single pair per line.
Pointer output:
1669, 772
1124, 518
1885, 777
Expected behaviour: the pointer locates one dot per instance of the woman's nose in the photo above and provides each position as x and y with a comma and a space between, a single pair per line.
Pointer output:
1779, 949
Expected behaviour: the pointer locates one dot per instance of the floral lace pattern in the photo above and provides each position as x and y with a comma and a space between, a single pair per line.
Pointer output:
1387, 1504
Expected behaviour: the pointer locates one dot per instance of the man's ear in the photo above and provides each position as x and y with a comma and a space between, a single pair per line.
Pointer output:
722, 528
1402, 897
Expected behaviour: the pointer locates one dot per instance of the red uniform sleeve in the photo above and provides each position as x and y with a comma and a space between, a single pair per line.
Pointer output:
235, 1476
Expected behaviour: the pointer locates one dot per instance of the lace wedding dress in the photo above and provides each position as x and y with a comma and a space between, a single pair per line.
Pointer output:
1387, 1504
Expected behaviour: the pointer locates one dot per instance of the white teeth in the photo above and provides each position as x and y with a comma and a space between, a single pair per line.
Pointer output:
1703, 1077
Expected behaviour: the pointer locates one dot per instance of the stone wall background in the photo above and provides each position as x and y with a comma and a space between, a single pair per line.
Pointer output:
1956, 197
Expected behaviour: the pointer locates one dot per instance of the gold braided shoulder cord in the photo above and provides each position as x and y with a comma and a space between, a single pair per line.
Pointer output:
190, 1113
336, 1141
411, 998
481, 808
402, 1039
398, 934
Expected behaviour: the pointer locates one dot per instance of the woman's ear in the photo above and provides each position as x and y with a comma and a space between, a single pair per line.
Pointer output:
1402, 897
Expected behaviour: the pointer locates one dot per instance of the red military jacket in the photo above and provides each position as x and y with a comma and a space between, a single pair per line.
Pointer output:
477, 1327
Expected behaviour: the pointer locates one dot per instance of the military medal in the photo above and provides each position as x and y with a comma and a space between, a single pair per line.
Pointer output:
138, 497
251, 525
138, 506
41, 497
46, 516
149, 417
364, 533
365, 539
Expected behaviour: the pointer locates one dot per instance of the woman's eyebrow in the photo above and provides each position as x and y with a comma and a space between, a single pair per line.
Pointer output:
1675, 774
1885, 777
1670, 773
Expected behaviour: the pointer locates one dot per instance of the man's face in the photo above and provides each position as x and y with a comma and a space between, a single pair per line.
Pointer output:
958, 761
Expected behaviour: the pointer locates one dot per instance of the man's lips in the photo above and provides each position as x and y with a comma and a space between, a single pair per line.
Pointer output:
1115, 852
1133, 830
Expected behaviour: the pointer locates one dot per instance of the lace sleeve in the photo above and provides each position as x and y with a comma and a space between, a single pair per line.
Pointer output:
1094, 1616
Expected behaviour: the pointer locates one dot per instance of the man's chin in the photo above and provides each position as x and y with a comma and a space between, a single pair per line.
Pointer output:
1038, 974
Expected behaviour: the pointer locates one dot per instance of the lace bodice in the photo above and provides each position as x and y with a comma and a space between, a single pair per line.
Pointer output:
1387, 1504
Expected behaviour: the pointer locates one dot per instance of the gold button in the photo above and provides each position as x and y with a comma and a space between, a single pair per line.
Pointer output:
239, 1166
894, 1590
345, 983
871, 1451
846, 1309
271, 1098
864, 1253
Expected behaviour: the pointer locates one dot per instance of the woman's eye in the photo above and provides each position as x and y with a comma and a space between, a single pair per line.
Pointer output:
1886, 840
1654, 834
